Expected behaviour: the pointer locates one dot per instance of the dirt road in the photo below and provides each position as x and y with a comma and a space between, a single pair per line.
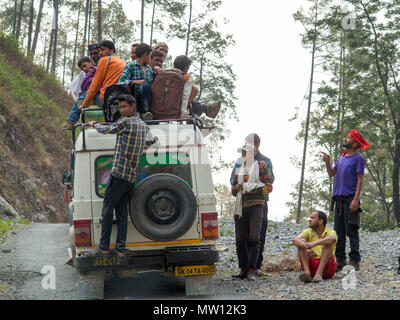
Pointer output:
34, 254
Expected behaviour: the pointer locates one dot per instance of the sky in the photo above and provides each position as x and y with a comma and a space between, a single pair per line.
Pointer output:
273, 71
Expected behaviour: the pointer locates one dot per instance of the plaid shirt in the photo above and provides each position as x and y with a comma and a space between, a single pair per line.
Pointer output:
134, 71
131, 138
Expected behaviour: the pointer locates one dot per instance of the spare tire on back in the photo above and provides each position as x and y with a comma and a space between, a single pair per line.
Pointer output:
163, 207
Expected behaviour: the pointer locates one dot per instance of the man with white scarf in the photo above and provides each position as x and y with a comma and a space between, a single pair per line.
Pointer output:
250, 187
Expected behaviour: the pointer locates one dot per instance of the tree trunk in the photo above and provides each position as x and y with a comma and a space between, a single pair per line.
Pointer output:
189, 28
21, 10
152, 22
201, 77
99, 21
65, 59
55, 28
50, 50
15, 17
76, 43
298, 216
37, 27
89, 24
30, 30
142, 23
85, 29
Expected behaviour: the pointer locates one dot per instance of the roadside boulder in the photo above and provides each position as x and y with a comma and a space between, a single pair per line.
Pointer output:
6, 210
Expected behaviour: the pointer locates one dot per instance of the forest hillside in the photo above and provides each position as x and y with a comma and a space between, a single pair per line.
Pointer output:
34, 150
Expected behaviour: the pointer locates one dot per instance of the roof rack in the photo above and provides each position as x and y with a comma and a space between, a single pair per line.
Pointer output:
195, 121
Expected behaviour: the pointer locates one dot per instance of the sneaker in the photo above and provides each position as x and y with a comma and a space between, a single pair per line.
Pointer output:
355, 264
213, 109
340, 265
251, 275
259, 273
68, 125
147, 116
240, 275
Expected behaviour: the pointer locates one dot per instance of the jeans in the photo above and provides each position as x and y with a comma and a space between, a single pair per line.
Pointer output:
143, 97
343, 229
75, 112
264, 227
198, 108
247, 232
116, 197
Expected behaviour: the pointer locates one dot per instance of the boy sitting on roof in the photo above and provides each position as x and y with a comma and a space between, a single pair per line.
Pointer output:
141, 75
86, 65
190, 91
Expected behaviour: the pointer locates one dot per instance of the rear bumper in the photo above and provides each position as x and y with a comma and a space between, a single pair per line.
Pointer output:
151, 259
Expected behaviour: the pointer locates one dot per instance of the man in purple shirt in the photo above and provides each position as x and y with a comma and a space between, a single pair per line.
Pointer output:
349, 175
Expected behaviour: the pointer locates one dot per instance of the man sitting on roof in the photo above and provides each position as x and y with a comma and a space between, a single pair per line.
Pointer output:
141, 75
190, 91
108, 71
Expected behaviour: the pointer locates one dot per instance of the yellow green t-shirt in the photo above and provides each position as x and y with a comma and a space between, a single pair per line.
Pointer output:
310, 235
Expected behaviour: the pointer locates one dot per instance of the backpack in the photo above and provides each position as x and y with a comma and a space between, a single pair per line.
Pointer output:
110, 105
167, 93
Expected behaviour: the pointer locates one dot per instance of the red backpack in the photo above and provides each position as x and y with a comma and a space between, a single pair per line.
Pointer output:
166, 99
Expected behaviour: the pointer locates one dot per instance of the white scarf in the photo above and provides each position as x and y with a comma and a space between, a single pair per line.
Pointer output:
252, 184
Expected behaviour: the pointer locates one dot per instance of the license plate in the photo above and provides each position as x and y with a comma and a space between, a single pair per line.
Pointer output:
195, 270
107, 261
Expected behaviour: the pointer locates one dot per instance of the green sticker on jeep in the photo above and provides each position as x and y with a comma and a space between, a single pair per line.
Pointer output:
173, 163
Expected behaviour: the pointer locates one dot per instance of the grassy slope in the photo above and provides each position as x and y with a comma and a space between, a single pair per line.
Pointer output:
33, 149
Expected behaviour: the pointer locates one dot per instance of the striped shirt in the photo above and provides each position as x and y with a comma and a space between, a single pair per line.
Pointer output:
131, 139
134, 71
256, 196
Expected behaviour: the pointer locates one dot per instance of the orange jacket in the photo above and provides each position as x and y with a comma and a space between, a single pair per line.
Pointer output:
107, 73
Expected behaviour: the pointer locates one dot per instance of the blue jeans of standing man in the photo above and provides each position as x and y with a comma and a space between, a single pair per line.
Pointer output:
116, 197
143, 97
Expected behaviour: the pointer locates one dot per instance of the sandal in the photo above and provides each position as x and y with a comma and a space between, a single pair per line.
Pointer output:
305, 277
95, 252
317, 279
120, 254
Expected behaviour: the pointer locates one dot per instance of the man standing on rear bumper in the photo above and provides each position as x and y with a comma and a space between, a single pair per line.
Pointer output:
131, 134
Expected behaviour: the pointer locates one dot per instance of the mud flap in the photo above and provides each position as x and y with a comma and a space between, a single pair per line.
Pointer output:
199, 285
91, 284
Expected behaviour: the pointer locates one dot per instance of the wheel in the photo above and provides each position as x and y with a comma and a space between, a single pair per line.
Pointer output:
163, 207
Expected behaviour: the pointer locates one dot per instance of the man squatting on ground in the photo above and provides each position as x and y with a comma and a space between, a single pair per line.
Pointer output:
316, 249
349, 174
131, 134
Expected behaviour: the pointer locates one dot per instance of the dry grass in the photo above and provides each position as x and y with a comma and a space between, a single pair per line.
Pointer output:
289, 265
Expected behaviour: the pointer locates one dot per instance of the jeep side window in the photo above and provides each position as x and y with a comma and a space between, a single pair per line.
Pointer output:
103, 170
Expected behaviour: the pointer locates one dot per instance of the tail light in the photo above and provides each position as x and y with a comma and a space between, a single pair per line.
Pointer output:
83, 235
209, 222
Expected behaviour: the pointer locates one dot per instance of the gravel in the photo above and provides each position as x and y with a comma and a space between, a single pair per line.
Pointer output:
377, 278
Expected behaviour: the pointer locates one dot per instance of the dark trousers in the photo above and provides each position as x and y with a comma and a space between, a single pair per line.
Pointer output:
116, 196
343, 228
143, 98
263, 232
198, 108
247, 232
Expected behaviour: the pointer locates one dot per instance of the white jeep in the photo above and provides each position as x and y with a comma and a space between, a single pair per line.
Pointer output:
173, 225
